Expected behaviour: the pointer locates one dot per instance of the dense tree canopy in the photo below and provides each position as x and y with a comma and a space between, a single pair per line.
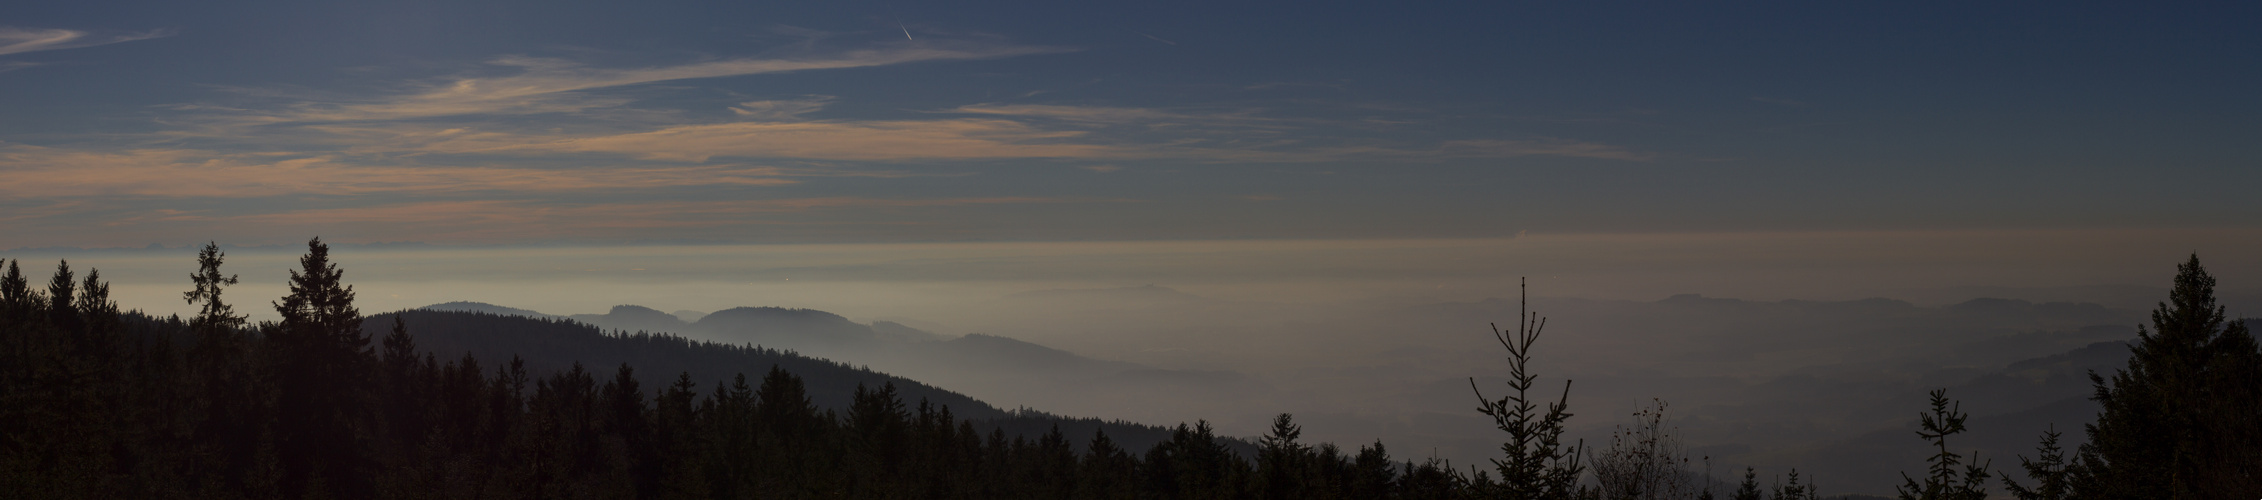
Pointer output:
99, 403
2180, 420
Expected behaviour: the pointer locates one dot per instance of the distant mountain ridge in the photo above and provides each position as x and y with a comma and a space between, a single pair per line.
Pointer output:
1000, 368
553, 344
483, 307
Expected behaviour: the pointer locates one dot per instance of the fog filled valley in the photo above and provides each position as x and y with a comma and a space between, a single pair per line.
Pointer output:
1828, 388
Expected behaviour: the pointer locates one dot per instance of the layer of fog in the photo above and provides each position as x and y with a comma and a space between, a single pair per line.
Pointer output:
1367, 340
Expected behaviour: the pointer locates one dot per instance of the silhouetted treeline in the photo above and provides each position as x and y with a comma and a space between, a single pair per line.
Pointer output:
551, 345
2179, 422
99, 403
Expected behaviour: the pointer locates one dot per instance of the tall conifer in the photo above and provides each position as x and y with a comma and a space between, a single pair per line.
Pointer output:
1537, 465
321, 370
2178, 422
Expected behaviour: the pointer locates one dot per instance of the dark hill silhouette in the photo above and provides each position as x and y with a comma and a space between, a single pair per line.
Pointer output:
483, 307
2020, 401
550, 345
635, 319
978, 348
995, 368
803, 328
893, 331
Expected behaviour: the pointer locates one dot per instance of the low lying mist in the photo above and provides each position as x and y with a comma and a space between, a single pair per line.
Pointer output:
1772, 350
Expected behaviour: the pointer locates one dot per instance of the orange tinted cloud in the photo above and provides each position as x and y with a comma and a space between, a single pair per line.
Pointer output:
545, 85
37, 172
497, 220
868, 140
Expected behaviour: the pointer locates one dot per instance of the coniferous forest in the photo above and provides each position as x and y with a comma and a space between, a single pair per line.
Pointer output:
328, 403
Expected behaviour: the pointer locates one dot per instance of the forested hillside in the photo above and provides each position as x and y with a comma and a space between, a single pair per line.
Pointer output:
327, 403
550, 346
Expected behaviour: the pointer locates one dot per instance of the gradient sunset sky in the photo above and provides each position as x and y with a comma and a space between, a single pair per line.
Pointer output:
501, 122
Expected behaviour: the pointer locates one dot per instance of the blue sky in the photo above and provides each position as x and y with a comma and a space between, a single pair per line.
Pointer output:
575, 122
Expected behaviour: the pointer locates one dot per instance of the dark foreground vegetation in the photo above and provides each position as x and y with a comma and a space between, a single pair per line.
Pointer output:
99, 403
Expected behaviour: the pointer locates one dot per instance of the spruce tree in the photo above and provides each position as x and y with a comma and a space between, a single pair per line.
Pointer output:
1371, 473
2047, 469
1946, 481
226, 417
321, 358
60, 314
212, 313
1537, 465
2178, 422
1792, 490
1280, 460
1107, 471
15, 291
1749, 490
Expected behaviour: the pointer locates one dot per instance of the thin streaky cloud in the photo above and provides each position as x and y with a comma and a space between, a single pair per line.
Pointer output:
861, 140
1156, 38
1108, 115
780, 110
507, 220
639, 212
964, 139
545, 85
35, 172
1096, 114
21, 40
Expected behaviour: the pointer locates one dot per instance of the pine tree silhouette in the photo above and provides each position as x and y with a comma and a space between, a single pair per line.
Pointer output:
2178, 422
1537, 466
321, 375
1945, 481
2047, 469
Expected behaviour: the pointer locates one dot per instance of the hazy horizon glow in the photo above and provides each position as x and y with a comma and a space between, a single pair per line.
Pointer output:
874, 280
1331, 194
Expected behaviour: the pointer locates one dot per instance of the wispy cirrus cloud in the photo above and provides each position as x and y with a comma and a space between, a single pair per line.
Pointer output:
544, 85
638, 214
486, 117
21, 40
1058, 132
777, 110
1090, 114
514, 220
882, 140
38, 172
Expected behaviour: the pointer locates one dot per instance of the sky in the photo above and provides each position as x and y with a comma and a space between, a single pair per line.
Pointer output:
1336, 171
577, 123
